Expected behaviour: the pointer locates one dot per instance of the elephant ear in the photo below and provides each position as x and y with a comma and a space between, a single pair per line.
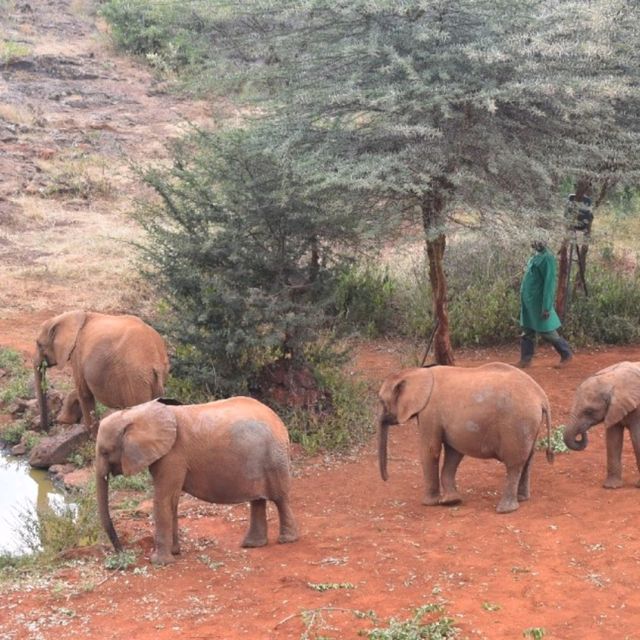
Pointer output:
150, 433
63, 334
625, 394
412, 393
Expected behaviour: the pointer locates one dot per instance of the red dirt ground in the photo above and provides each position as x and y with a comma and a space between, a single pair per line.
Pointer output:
567, 561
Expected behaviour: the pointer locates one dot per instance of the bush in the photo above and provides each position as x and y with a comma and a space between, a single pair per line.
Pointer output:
364, 299
17, 383
344, 421
611, 312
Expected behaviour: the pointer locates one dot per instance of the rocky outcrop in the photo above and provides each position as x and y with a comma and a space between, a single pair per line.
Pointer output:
57, 449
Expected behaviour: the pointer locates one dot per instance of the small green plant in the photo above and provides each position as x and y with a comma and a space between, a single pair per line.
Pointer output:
16, 384
330, 586
12, 433
120, 561
30, 439
11, 50
48, 532
557, 441
83, 454
491, 606
537, 633
417, 628
139, 482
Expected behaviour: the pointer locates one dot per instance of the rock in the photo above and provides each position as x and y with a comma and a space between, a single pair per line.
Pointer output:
17, 408
57, 449
19, 449
58, 471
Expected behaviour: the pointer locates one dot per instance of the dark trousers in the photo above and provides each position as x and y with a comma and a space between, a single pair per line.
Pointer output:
528, 343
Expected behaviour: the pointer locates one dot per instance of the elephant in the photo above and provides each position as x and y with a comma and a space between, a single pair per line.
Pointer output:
70, 412
611, 396
491, 411
117, 360
227, 451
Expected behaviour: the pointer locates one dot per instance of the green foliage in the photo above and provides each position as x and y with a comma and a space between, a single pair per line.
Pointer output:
171, 38
611, 312
120, 561
242, 257
343, 421
416, 628
12, 433
11, 50
48, 532
84, 454
491, 606
330, 586
139, 482
16, 384
557, 441
363, 299
536, 633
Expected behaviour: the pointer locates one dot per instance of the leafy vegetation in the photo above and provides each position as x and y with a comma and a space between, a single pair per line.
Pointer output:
120, 561
557, 441
46, 533
16, 384
417, 628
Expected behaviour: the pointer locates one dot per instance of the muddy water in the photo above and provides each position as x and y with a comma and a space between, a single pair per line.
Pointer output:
23, 491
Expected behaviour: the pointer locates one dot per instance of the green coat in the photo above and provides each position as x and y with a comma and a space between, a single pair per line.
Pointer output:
538, 292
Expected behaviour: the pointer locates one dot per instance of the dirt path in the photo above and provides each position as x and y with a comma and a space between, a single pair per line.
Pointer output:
567, 562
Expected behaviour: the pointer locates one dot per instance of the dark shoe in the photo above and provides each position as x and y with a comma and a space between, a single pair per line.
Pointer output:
564, 362
523, 364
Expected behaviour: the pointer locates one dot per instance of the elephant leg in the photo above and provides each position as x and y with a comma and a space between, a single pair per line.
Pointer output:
175, 544
288, 528
523, 485
87, 405
509, 500
165, 519
634, 430
614, 437
430, 461
257, 533
452, 459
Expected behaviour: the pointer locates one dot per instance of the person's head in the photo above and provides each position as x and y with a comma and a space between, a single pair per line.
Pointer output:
539, 245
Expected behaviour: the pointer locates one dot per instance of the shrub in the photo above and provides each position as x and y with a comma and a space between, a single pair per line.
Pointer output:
416, 627
17, 383
364, 299
343, 421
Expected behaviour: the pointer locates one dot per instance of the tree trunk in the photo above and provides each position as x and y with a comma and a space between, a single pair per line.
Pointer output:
563, 277
432, 212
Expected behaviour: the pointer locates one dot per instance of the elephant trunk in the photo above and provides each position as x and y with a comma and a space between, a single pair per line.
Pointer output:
383, 433
40, 376
575, 437
102, 495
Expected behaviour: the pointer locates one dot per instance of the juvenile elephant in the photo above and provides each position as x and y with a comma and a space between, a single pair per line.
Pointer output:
117, 360
491, 411
612, 396
228, 451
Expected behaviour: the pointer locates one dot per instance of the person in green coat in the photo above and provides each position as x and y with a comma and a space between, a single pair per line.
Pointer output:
537, 313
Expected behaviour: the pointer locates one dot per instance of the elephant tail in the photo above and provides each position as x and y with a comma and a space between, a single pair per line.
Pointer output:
546, 414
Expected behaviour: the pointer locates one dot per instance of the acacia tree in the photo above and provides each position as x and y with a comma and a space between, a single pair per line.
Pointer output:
436, 107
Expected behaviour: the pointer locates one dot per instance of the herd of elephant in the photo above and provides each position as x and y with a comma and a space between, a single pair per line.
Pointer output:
237, 449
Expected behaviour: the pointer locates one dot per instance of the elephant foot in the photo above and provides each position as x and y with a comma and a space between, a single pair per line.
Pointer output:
612, 483
451, 498
431, 501
523, 497
638, 484
290, 536
253, 542
507, 506
175, 550
158, 558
